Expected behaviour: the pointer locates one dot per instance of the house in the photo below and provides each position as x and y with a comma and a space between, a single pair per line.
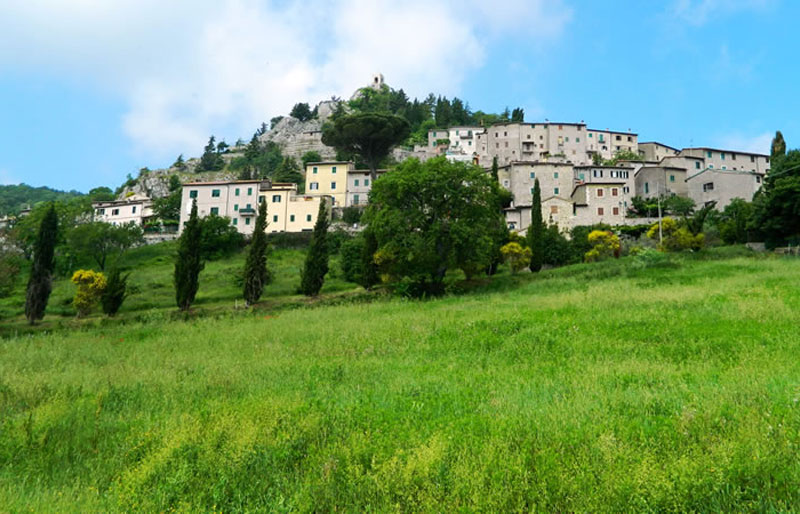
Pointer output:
458, 143
714, 158
134, 209
598, 203
722, 186
654, 151
518, 177
653, 181
239, 199
340, 181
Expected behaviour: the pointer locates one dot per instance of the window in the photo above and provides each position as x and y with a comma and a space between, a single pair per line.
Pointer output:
215, 193
275, 219
236, 192
722, 155
733, 156
599, 211
193, 194
709, 154
708, 186
697, 165
333, 169
133, 210
276, 198
333, 185
614, 191
577, 140
752, 158
261, 198
291, 218
506, 144
114, 212
308, 217
626, 190
249, 191
758, 179
101, 211
711, 166
533, 175
555, 174
724, 167
600, 138
215, 210
249, 206
581, 176
236, 207
590, 134
355, 199
235, 221
560, 140
355, 183
313, 186
672, 178
555, 191
247, 221
566, 139
629, 138
600, 192
497, 145
505, 134
615, 211
314, 169
554, 209
619, 138
366, 182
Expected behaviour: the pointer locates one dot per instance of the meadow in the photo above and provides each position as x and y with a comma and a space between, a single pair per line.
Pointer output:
643, 384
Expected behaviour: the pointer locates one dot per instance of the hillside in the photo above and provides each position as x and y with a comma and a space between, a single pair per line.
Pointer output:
14, 198
619, 386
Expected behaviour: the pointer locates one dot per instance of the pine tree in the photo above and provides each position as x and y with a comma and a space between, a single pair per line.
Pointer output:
495, 170
189, 262
778, 148
40, 281
316, 265
535, 233
256, 275
115, 292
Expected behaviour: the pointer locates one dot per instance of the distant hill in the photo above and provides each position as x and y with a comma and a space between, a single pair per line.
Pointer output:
14, 198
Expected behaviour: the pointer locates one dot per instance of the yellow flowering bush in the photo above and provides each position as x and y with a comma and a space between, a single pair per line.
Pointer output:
604, 244
517, 256
91, 285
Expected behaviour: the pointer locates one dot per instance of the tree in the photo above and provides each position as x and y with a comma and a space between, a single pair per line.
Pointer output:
188, 262
256, 275
288, 171
777, 205
179, 163
516, 255
90, 286
675, 238
518, 115
211, 159
316, 264
778, 147
115, 292
369, 135
495, 170
733, 223
369, 269
98, 240
310, 156
430, 217
301, 111
101, 194
218, 237
535, 233
40, 280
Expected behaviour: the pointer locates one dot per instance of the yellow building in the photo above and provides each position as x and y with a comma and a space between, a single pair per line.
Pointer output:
329, 179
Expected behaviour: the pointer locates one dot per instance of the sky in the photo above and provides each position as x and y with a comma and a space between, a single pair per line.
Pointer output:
92, 90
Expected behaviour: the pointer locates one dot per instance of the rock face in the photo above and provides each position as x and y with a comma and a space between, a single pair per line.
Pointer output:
155, 183
297, 137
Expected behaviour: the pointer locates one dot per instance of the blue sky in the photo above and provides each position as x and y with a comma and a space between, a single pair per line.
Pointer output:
92, 90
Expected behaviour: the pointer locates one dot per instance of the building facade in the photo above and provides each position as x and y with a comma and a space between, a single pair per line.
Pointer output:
238, 200
134, 209
722, 186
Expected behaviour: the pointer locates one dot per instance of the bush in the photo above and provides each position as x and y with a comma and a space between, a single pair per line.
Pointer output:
218, 238
115, 292
517, 256
604, 244
91, 285
675, 238
336, 239
352, 214
351, 260
289, 240
557, 249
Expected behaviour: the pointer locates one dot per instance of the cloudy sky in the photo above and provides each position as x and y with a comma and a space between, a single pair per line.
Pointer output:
91, 90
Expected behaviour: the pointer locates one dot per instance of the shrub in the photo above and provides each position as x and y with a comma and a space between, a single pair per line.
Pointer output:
604, 244
352, 214
517, 256
351, 260
675, 238
91, 285
115, 292
218, 238
557, 250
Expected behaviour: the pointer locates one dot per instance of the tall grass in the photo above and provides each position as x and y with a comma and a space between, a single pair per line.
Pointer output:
657, 388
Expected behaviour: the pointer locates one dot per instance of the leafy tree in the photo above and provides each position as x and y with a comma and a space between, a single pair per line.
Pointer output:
557, 249
189, 261
604, 244
211, 159
301, 111
777, 205
535, 233
288, 171
696, 222
98, 240
256, 275
40, 280
316, 264
218, 238
11, 264
311, 156
678, 205
115, 292
518, 115
101, 194
369, 268
223, 147
179, 163
517, 256
91, 285
351, 261
778, 147
168, 208
370, 135
623, 155
272, 122
430, 217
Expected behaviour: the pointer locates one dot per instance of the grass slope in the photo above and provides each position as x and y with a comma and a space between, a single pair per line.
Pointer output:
618, 386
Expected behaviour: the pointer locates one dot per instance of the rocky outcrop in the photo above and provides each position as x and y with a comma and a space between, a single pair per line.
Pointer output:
297, 137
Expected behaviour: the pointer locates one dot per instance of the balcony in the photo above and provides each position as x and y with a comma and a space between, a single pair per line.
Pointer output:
247, 211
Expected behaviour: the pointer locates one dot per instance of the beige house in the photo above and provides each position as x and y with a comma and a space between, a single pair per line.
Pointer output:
133, 209
238, 200
609, 175
654, 151
717, 159
652, 181
598, 203
328, 179
555, 179
722, 186
461, 141
359, 184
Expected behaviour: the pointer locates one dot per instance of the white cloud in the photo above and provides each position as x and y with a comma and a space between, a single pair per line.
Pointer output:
190, 68
699, 12
753, 144
7, 178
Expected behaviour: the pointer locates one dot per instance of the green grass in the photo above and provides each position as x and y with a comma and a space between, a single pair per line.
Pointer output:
621, 386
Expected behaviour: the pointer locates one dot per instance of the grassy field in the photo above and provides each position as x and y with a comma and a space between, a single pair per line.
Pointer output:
635, 385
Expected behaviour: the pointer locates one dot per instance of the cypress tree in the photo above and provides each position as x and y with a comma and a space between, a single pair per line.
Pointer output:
778, 148
369, 270
495, 170
115, 292
189, 262
535, 235
40, 281
316, 265
255, 268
